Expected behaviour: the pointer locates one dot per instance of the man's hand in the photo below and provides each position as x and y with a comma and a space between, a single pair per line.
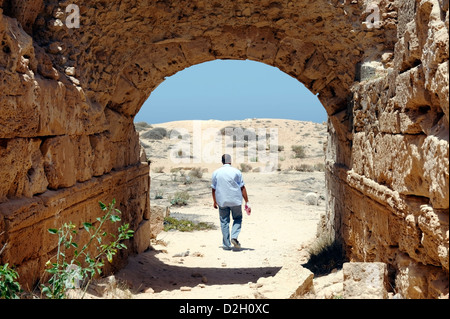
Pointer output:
215, 205
248, 209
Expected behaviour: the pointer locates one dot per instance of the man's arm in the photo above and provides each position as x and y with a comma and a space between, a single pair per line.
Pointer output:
245, 196
214, 198
244, 193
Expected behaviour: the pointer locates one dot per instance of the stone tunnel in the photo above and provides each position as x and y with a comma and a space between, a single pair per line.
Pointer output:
74, 73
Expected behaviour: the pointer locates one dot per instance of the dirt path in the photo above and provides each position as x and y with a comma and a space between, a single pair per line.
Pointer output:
193, 264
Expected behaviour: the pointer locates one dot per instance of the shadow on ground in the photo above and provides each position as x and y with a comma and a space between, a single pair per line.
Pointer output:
148, 271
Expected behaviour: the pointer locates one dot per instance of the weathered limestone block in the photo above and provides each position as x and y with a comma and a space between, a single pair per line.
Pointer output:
409, 164
120, 158
59, 161
76, 159
392, 160
434, 225
440, 85
407, 49
367, 226
54, 117
264, 45
406, 13
410, 89
416, 281
292, 282
22, 168
36, 182
125, 94
22, 243
19, 114
63, 109
84, 158
197, 51
34, 105
17, 54
436, 170
157, 215
101, 148
365, 280
118, 125
433, 34
381, 219
25, 11
142, 236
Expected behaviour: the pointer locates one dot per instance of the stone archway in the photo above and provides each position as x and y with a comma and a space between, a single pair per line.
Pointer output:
69, 96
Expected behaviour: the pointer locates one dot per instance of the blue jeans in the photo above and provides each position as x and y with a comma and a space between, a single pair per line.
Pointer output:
224, 212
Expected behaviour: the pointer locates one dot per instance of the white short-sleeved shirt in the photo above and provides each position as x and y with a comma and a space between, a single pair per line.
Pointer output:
227, 181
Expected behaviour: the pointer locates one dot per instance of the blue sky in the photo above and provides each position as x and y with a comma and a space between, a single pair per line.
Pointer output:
231, 90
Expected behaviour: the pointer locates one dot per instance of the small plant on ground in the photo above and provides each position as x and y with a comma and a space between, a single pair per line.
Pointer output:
140, 126
9, 287
157, 133
299, 151
184, 225
326, 254
159, 195
68, 272
180, 198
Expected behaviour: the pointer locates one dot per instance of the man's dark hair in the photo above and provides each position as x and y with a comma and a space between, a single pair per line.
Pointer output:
226, 159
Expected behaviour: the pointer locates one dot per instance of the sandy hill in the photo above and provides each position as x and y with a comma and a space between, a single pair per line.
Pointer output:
297, 145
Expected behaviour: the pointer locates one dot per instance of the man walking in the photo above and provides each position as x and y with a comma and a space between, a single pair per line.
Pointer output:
228, 189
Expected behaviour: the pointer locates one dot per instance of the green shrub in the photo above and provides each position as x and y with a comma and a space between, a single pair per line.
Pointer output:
157, 133
140, 126
180, 198
9, 287
184, 225
159, 195
326, 254
299, 151
68, 272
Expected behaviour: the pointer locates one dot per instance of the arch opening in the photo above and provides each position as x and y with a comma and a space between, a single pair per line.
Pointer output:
181, 176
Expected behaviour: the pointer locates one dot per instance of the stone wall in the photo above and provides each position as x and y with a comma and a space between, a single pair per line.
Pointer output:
60, 154
393, 198
69, 95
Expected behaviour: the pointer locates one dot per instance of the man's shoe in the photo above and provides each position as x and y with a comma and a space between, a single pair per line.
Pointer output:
235, 243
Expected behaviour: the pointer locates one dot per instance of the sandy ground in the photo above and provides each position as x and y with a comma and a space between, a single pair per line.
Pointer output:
282, 224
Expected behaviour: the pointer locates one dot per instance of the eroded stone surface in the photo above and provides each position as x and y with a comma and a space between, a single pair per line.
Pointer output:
365, 280
68, 97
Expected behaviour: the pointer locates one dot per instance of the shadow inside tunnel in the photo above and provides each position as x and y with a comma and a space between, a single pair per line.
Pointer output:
146, 271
